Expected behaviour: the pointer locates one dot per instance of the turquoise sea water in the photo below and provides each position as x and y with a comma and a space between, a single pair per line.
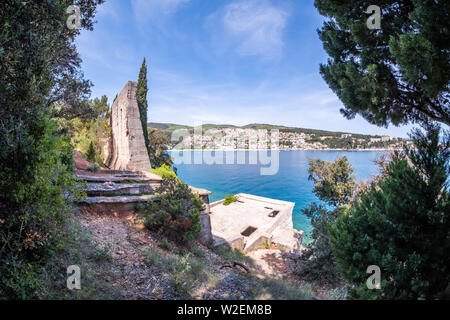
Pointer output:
289, 184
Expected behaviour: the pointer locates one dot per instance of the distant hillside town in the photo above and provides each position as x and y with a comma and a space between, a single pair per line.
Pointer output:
259, 136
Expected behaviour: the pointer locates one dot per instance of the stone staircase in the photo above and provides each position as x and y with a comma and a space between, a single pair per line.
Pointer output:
117, 192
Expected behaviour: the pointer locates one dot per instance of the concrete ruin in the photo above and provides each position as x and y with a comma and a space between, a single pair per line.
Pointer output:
253, 223
126, 149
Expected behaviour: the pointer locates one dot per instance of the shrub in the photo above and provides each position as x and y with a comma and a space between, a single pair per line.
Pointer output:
30, 226
90, 154
186, 272
229, 199
165, 245
277, 289
176, 214
39, 76
402, 225
165, 172
196, 251
94, 168
334, 184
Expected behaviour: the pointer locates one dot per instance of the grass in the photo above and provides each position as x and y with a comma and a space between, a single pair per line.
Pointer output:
198, 252
186, 272
229, 199
94, 260
232, 255
165, 245
104, 252
278, 289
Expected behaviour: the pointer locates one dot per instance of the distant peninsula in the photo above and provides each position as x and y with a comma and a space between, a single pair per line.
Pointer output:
224, 136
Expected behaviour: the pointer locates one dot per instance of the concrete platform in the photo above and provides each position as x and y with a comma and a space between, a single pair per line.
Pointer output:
254, 222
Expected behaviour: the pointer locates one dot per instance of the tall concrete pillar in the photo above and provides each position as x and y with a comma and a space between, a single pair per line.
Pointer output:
127, 145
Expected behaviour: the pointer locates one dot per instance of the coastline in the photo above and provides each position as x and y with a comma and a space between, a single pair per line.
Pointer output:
227, 150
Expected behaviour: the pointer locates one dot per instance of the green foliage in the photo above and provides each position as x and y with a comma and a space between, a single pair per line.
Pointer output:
176, 214
186, 272
90, 154
334, 184
141, 96
94, 168
277, 289
39, 70
88, 135
333, 181
165, 172
402, 225
159, 142
196, 251
30, 221
229, 199
231, 255
397, 74
165, 245
94, 260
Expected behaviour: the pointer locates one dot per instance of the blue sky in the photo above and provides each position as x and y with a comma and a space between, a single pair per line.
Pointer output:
216, 61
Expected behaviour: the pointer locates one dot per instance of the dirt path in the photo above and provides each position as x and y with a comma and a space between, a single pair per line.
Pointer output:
127, 243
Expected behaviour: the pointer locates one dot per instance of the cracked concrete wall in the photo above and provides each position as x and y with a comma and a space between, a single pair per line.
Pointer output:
127, 149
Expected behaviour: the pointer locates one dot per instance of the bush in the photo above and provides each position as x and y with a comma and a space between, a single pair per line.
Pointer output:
94, 168
277, 289
186, 272
165, 245
30, 225
229, 199
402, 225
334, 184
165, 172
90, 154
176, 214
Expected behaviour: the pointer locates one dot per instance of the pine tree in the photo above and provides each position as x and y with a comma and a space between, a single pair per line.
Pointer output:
397, 74
90, 155
141, 95
402, 225
334, 184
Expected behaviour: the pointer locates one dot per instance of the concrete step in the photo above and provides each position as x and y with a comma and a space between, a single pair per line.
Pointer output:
117, 189
114, 205
120, 172
115, 179
118, 199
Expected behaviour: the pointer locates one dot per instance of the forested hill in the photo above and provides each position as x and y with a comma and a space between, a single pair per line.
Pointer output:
170, 127
298, 138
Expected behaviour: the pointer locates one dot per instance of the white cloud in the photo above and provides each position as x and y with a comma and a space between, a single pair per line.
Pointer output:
108, 10
252, 27
155, 10
300, 102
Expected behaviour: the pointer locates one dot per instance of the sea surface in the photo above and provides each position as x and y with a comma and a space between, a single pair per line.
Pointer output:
290, 183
